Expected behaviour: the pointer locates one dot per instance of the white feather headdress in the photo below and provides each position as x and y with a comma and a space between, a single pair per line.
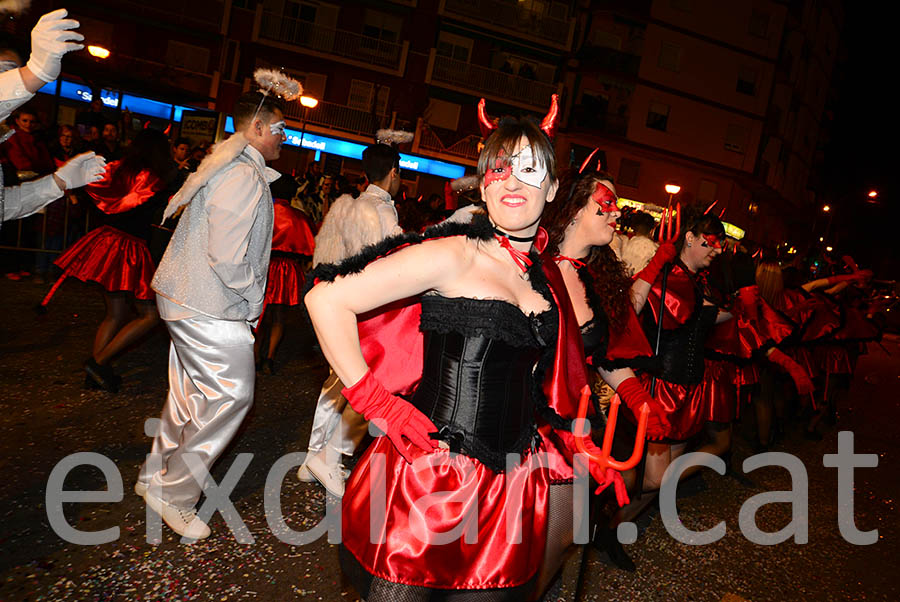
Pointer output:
275, 82
386, 136
464, 183
14, 6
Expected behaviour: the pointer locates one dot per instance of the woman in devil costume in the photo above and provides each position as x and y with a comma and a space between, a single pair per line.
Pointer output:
292, 241
688, 316
462, 466
580, 225
116, 255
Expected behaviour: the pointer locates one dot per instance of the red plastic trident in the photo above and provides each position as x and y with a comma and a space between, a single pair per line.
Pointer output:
604, 459
665, 233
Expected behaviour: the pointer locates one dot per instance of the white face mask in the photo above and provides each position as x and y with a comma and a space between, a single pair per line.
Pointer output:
523, 166
277, 128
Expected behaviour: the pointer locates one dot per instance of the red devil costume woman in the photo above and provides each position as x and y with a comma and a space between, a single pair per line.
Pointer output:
453, 502
292, 241
116, 255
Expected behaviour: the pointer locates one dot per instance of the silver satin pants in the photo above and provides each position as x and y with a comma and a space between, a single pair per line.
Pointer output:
211, 381
335, 423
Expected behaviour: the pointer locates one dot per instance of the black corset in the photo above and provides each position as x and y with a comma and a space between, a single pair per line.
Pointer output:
681, 349
477, 376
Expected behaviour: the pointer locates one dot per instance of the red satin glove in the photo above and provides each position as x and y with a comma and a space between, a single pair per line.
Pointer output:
858, 276
801, 378
635, 396
748, 298
395, 416
604, 476
665, 253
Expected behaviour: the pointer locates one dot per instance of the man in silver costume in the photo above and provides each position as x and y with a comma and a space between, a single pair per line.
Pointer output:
210, 286
350, 225
52, 37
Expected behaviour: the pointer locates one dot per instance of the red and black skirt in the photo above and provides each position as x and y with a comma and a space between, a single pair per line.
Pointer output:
446, 521
684, 407
117, 261
284, 285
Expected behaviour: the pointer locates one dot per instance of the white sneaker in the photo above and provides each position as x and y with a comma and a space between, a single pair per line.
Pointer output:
140, 488
184, 522
304, 475
331, 476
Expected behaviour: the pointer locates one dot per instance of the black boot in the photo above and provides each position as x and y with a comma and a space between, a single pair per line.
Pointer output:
605, 541
104, 376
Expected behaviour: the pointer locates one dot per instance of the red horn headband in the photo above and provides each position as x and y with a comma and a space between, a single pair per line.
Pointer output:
588, 160
485, 123
550, 121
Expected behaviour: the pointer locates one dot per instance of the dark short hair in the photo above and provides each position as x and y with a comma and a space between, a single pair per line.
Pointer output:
378, 160
246, 107
180, 141
505, 138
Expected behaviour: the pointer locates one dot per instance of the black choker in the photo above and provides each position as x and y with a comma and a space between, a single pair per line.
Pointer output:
499, 232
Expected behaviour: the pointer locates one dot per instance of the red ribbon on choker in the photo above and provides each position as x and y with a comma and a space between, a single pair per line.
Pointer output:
520, 257
576, 263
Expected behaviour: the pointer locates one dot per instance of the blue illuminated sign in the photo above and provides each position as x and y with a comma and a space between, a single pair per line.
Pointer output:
80, 92
110, 98
354, 150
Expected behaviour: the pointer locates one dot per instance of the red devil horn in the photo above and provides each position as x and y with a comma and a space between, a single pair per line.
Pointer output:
722, 212
548, 124
711, 205
588, 160
485, 123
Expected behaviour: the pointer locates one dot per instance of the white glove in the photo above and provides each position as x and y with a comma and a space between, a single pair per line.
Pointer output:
51, 38
82, 169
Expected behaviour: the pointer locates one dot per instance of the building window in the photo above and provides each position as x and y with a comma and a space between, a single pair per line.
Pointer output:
670, 57
454, 47
382, 26
736, 138
707, 191
684, 5
746, 82
759, 24
300, 10
187, 56
362, 94
658, 116
629, 173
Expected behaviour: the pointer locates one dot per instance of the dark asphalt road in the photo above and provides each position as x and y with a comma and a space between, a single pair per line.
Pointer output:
46, 414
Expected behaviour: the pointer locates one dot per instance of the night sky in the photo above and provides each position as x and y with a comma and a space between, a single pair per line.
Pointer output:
862, 154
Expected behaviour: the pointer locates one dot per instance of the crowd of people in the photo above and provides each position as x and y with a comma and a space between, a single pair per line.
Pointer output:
468, 337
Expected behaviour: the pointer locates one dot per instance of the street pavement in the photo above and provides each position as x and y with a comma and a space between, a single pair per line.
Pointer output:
46, 414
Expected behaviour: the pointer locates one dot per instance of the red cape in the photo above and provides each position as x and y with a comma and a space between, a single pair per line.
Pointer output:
119, 196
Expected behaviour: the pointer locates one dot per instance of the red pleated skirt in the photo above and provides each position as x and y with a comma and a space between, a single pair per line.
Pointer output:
115, 260
285, 281
447, 521
683, 405
832, 359
719, 390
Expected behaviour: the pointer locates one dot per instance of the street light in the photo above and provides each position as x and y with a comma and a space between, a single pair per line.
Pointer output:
673, 189
873, 194
829, 249
308, 103
98, 52
826, 208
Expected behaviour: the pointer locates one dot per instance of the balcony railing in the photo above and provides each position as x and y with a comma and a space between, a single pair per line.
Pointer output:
507, 14
508, 88
336, 42
338, 117
467, 148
